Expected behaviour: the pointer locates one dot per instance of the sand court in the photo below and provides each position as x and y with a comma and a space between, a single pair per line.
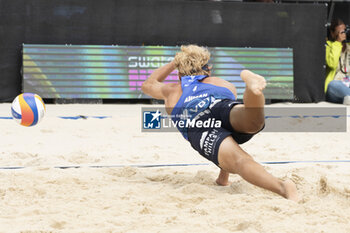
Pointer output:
39, 197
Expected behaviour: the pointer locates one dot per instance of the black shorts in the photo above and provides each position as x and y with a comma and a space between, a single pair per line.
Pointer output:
207, 140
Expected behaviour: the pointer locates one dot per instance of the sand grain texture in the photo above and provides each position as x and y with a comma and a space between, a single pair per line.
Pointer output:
42, 198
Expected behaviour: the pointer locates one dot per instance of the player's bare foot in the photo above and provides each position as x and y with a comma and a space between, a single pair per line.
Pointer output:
223, 178
254, 82
291, 192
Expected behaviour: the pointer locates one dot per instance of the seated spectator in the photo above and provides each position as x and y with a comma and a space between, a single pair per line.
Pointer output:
338, 64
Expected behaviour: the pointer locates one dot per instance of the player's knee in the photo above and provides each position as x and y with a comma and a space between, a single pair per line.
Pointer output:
256, 125
259, 123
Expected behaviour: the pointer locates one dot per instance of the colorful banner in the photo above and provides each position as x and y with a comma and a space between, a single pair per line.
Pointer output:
117, 72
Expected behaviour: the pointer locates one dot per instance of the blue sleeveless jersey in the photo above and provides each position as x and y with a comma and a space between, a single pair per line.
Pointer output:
196, 97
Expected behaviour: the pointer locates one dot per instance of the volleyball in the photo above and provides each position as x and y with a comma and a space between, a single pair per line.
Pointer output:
28, 109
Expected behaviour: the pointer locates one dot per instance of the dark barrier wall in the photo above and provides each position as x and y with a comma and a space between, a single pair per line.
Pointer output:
342, 10
152, 22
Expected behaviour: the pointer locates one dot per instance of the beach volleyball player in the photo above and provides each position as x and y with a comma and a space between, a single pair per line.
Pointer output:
199, 97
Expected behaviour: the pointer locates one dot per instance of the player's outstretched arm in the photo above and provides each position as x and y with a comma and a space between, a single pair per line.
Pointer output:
154, 85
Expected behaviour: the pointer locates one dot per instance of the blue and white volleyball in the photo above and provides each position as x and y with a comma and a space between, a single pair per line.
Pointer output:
28, 109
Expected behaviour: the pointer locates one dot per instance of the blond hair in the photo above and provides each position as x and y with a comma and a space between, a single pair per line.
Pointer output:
191, 60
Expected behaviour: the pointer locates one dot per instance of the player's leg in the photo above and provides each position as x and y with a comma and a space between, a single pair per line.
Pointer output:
233, 159
249, 117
